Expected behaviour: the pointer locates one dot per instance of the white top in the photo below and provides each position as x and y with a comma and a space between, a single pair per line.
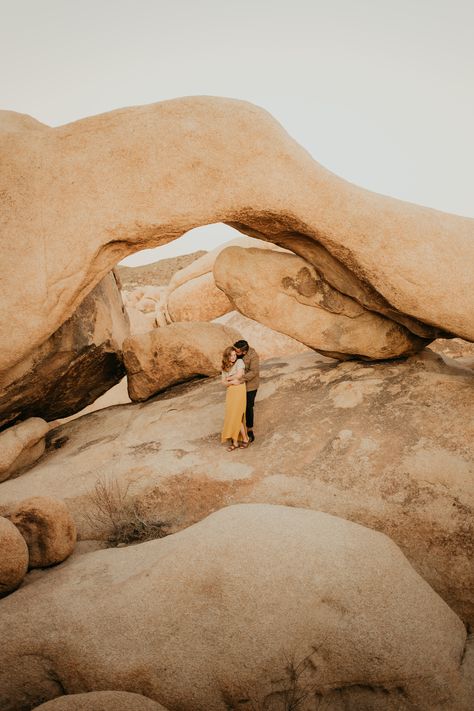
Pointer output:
236, 368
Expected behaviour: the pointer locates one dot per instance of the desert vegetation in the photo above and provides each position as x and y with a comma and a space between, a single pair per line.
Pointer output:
122, 514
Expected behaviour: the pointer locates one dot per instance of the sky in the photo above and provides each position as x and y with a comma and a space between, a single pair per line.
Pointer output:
380, 92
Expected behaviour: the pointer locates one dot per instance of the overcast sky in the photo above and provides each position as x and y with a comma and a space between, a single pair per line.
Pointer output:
381, 92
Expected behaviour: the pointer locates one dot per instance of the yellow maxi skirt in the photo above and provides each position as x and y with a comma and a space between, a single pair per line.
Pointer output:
235, 405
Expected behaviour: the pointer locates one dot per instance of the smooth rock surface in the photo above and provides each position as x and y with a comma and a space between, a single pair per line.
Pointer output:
287, 294
198, 299
48, 529
388, 445
192, 294
76, 365
267, 342
211, 612
156, 360
13, 557
21, 445
102, 701
163, 169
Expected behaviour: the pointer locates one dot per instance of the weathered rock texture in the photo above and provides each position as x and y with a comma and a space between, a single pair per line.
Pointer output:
198, 299
388, 445
75, 365
146, 307
192, 293
48, 529
209, 614
13, 557
163, 169
453, 347
21, 445
267, 342
286, 293
102, 701
170, 355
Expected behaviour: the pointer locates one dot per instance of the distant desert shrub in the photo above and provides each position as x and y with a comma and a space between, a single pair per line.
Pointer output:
122, 514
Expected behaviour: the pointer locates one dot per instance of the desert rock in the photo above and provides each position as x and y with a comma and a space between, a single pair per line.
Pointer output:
21, 445
387, 445
267, 342
198, 300
192, 292
211, 612
76, 365
169, 355
102, 701
13, 557
48, 529
287, 294
163, 169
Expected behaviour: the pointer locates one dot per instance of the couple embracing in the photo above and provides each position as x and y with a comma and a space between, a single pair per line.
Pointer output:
240, 375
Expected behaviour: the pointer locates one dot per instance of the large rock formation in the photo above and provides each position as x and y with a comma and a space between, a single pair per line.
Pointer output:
211, 615
48, 529
166, 356
286, 293
267, 342
13, 557
145, 306
163, 169
192, 294
198, 299
21, 445
73, 367
388, 445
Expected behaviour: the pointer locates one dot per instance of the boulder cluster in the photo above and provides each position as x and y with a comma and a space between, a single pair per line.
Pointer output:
329, 565
36, 533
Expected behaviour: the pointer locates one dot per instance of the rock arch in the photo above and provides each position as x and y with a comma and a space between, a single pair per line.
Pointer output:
78, 198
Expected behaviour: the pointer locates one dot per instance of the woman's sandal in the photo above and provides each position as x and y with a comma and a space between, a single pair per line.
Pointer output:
244, 445
232, 447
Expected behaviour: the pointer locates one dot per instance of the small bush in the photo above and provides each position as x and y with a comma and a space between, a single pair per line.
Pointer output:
292, 692
122, 514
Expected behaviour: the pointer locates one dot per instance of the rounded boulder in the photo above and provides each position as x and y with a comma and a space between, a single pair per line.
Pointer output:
13, 557
48, 529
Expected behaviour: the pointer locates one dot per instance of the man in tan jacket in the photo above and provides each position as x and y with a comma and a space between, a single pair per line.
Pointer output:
251, 378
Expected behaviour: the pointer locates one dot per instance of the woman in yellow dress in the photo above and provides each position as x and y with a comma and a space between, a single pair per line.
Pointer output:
233, 369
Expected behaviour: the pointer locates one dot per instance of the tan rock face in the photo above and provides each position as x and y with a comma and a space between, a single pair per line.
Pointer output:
163, 169
13, 557
146, 306
48, 529
21, 445
74, 366
225, 601
388, 445
286, 293
192, 293
102, 701
267, 342
169, 355
139, 321
198, 299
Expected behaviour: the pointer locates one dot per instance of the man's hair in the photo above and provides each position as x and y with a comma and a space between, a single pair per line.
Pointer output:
241, 345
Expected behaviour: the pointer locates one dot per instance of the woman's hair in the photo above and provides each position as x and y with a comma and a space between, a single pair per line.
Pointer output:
226, 362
